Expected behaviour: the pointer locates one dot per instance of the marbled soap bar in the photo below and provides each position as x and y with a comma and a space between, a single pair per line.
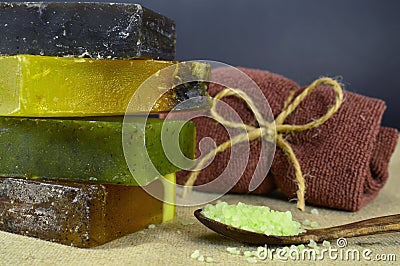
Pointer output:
97, 30
92, 150
79, 214
43, 86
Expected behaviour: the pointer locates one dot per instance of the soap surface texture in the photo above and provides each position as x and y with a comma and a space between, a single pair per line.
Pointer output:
92, 150
43, 86
79, 214
96, 30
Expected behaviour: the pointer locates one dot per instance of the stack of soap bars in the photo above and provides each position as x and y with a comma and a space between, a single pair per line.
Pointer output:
67, 74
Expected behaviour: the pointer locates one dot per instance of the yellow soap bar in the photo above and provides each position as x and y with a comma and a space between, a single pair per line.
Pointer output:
58, 86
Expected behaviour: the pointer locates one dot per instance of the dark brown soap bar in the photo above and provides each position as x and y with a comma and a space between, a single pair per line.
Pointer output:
97, 30
80, 214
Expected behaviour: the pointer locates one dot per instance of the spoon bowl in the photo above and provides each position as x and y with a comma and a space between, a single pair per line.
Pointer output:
377, 225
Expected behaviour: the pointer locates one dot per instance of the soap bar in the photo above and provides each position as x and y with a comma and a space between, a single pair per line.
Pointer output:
96, 30
92, 150
80, 214
43, 86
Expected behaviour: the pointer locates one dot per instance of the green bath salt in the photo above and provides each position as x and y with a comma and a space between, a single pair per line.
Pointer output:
259, 219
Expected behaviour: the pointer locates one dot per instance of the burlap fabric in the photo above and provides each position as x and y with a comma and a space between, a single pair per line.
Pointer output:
173, 243
344, 161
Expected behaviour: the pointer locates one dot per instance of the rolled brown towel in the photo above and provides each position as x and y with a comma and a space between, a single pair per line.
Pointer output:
344, 161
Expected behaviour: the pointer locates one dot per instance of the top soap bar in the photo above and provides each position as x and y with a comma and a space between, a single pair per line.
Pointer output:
96, 30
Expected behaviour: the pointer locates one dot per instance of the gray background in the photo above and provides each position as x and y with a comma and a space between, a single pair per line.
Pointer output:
302, 40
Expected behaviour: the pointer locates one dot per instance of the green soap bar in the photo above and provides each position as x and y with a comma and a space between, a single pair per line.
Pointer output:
92, 149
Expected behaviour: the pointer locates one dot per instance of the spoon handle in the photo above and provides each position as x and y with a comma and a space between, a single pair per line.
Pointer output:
390, 223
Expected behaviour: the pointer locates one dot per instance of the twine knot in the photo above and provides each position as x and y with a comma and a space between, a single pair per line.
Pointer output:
268, 131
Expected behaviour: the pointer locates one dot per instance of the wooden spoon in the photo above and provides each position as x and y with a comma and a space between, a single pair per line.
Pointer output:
378, 225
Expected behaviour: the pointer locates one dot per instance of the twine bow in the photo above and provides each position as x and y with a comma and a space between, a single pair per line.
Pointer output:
267, 131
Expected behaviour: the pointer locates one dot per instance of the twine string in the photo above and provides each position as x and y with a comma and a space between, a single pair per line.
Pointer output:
268, 131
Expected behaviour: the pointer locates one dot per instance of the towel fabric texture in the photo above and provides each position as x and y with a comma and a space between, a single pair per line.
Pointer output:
344, 161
